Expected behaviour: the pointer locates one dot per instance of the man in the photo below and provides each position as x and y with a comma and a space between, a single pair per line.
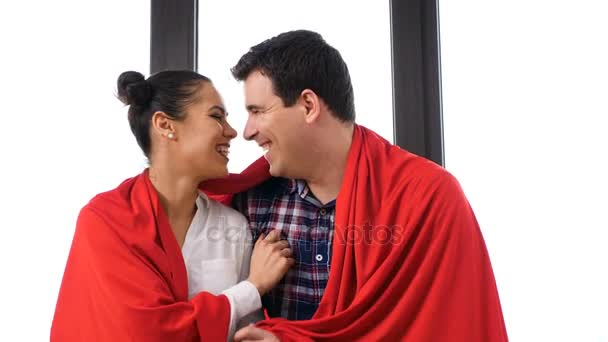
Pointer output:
386, 245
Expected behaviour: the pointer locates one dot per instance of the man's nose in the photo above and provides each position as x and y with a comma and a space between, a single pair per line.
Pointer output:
250, 130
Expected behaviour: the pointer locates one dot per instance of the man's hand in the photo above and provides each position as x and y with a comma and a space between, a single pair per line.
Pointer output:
251, 333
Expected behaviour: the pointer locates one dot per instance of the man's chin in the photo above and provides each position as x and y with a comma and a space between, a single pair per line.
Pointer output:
275, 170
220, 172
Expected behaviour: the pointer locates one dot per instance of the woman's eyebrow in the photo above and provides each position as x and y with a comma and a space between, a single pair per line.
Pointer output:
220, 108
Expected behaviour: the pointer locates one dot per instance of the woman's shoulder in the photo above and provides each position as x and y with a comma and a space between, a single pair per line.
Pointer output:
223, 211
120, 196
123, 206
123, 212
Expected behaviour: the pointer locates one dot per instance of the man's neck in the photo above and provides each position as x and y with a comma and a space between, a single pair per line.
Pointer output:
326, 178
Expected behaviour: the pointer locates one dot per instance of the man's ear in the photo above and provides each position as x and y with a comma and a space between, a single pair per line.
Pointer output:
163, 125
312, 103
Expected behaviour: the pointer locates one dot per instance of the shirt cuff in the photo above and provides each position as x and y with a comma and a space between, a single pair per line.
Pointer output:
244, 299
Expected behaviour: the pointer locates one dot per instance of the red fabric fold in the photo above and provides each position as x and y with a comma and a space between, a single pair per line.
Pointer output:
222, 190
409, 261
126, 280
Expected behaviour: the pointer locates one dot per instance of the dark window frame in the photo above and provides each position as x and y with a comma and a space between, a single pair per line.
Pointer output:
417, 108
173, 35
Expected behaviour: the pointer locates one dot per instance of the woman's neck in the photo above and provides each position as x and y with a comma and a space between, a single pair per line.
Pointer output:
177, 193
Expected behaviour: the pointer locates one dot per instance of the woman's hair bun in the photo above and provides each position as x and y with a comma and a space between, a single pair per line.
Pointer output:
133, 89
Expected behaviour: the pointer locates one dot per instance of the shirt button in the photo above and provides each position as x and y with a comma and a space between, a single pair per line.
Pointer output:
322, 211
319, 257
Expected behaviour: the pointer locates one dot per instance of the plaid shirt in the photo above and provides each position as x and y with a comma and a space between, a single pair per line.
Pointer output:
308, 226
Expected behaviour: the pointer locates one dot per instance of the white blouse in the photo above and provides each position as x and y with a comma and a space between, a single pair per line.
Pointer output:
217, 251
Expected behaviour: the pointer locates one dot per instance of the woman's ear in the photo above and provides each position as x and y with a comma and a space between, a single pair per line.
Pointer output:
163, 125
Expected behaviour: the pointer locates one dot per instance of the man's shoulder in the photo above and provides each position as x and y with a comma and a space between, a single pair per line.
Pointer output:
266, 191
271, 188
404, 169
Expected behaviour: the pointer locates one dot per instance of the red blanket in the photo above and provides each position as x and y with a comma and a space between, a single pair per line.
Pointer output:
125, 278
408, 262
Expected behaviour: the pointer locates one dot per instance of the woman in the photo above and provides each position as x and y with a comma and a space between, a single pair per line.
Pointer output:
155, 259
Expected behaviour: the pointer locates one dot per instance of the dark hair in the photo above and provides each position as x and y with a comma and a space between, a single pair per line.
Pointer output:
167, 91
299, 60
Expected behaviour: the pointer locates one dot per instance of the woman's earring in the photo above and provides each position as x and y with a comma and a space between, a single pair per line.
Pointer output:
170, 136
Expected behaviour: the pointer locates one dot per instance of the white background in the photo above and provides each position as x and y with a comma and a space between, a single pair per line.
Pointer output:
524, 90
65, 138
524, 100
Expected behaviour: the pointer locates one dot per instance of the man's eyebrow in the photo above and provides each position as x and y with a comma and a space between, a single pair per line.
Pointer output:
253, 107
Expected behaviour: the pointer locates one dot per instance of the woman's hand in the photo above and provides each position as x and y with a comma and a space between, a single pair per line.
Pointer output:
270, 260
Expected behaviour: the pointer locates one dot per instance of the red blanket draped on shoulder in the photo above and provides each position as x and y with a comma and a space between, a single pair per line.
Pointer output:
125, 279
408, 262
